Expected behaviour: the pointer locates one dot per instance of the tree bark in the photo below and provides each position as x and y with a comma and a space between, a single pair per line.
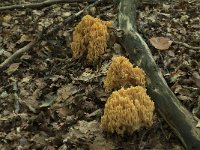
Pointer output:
177, 116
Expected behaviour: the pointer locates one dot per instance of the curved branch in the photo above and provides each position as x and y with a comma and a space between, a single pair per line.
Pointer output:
177, 116
41, 4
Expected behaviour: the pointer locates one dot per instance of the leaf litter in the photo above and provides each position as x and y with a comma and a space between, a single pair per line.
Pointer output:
61, 100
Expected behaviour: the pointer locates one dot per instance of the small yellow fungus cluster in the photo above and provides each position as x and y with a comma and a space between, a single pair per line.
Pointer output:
127, 110
90, 37
121, 73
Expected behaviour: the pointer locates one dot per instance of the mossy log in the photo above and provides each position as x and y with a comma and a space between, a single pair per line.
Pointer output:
177, 116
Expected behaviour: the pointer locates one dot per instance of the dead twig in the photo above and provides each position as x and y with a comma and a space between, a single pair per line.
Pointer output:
41, 4
186, 45
26, 48
16, 97
17, 54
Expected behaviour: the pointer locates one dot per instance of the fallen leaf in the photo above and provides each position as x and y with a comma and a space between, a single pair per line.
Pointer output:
63, 112
65, 92
161, 43
7, 18
26, 79
196, 110
30, 99
66, 14
2, 134
56, 77
171, 53
184, 98
5, 53
82, 131
24, 38
174, 78
39, 139
49, 99
177, 147
196, 78
49, 148
4, 94
198, 124
86, 76
13, 67
12, 136
101, 143
182, 5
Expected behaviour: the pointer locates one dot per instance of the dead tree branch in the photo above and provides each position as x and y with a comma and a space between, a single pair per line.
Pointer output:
41, 4
175, 114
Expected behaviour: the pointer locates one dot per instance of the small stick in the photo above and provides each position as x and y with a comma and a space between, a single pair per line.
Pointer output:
186, 45
17, 98
41, 4
17, 54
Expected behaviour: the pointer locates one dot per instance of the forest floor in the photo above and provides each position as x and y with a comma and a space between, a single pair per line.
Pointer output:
48, 100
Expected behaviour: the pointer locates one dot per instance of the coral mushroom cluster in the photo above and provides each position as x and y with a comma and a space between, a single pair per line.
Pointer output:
121, 73
90, 37
127, 110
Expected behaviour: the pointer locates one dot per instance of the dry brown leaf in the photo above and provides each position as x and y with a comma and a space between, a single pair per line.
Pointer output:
198, 124
196, 78
86, 76
184, 98
26, 79
65, 92
161, 43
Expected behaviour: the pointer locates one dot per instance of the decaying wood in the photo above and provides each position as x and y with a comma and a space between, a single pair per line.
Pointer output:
179, 119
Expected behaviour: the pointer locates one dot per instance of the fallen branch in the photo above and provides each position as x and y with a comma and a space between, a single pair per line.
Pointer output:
176, 115
41, 4
20, 52
17, 54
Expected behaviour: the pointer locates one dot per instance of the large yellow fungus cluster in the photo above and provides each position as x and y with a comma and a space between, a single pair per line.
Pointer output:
127, 110
121, 73
90, 37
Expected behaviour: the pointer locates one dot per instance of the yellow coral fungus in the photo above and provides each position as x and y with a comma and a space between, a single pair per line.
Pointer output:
127, 110
122, 73
90, 37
